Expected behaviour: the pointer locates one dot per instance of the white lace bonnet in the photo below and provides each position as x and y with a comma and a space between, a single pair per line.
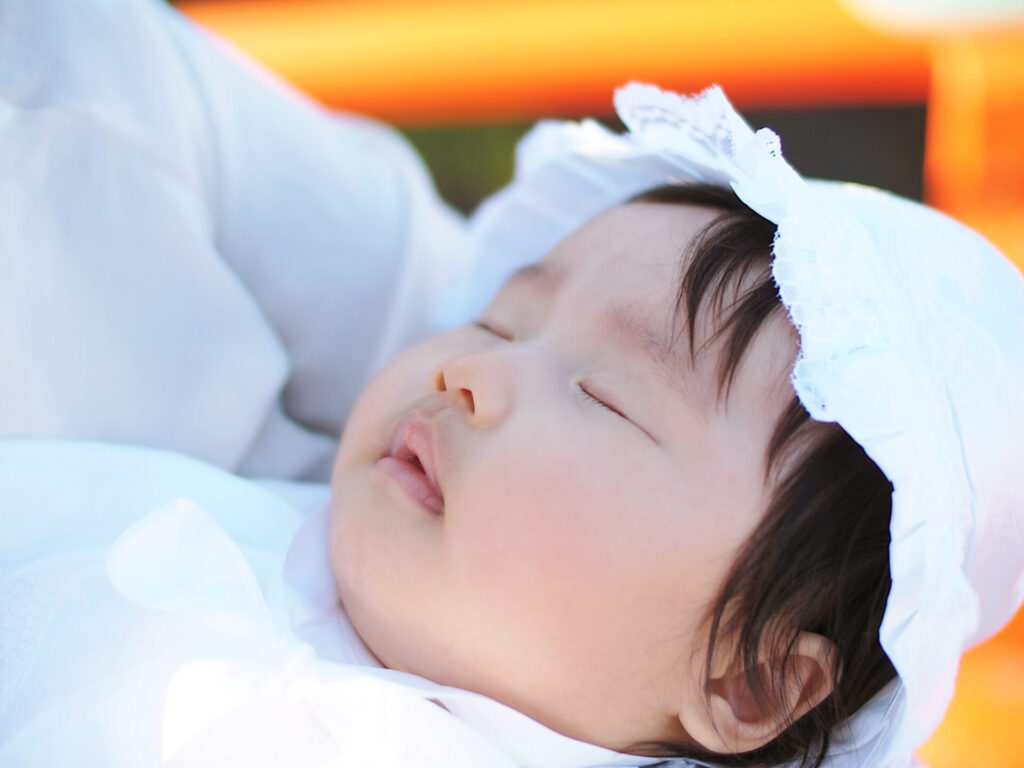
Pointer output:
912, 339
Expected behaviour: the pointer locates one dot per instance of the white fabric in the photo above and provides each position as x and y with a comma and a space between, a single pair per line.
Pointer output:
155, 610
939, 16
193, 256
912, 339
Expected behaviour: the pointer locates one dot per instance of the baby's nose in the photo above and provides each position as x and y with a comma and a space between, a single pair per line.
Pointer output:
477, 383
462, 395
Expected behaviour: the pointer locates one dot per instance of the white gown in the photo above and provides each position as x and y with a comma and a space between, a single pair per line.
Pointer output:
155, 610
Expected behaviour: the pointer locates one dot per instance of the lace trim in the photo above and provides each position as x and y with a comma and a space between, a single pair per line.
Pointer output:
709, 140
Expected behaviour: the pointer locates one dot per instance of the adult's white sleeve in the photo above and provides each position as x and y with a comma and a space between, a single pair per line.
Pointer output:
193, 256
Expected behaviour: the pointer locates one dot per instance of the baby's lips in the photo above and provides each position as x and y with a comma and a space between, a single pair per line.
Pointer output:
413, 437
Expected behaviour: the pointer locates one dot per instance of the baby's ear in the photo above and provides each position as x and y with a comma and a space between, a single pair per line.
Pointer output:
735, 721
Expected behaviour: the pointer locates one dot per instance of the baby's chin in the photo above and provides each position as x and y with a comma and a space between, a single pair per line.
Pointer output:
349, 598
343, 554
374, 633
352, 578
336, 553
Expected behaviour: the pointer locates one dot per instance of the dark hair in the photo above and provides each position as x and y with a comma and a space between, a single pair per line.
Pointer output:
818, 561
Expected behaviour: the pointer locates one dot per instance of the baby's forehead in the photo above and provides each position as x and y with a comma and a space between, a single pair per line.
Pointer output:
637, 232
644, 256
633, 248
629, 276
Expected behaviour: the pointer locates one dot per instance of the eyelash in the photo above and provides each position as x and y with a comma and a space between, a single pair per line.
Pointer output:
612, 409
591, 398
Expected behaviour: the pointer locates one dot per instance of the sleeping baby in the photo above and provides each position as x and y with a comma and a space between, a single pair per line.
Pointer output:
548, 507
564, 487
718, 475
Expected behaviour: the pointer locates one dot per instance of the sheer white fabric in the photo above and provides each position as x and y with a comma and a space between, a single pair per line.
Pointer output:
155, 610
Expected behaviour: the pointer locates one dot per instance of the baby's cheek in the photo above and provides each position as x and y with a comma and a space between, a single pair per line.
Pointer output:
396, 388
540, 523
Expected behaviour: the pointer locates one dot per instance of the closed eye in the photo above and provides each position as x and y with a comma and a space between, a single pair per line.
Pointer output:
487, 328
590, 397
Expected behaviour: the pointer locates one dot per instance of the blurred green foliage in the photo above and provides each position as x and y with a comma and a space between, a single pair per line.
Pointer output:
468, 163
880, 146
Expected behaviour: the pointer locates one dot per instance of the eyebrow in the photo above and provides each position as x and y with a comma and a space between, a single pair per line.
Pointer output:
541, 275
633, 331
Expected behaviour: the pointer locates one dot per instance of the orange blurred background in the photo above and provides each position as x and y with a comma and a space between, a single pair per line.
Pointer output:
444, 62
429, 62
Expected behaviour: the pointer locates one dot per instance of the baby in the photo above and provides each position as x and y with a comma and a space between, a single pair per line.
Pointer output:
632, 503
603, 505
723, 471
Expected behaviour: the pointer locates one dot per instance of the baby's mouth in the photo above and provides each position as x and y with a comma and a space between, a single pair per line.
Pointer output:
409, 460
405, 454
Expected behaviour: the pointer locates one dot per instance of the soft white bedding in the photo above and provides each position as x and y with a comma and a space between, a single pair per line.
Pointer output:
155, 610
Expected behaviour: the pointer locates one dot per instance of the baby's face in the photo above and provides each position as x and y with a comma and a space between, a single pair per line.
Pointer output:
578, 492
